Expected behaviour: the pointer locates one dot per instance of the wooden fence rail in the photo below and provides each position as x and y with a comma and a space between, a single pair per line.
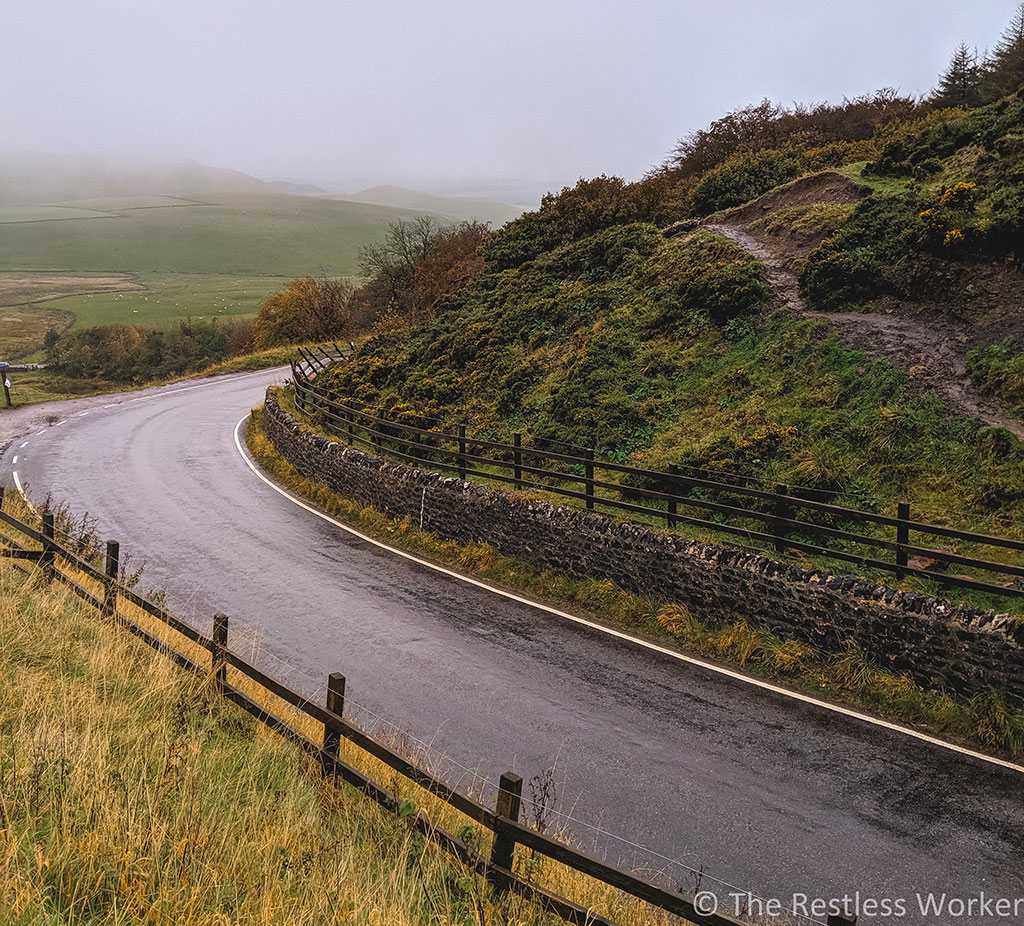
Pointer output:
502, 821
783, 517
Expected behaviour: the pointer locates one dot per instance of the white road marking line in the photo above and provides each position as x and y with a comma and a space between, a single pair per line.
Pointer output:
682, 657
111, 405
17, 485
59, 423
23, 446
81, 414
14, 462
40, 432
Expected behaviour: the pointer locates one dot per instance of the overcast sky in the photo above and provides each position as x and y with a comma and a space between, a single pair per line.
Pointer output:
444, 94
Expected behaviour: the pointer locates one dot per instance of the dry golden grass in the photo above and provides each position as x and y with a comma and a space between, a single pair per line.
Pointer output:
131, 792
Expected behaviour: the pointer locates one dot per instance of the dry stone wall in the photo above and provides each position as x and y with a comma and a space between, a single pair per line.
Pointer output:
940, 645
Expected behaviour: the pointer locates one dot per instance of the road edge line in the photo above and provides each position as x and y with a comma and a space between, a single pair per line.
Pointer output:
638, 641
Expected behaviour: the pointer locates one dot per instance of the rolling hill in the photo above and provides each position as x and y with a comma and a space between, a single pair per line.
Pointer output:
455, 207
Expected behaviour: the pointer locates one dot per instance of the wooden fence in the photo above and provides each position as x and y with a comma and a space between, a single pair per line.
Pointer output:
503, 820
784, 517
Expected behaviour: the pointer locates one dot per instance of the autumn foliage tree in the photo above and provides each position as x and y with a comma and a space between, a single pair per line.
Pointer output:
451, 262
307, 309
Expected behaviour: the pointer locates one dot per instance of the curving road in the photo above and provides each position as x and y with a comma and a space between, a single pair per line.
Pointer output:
760, 790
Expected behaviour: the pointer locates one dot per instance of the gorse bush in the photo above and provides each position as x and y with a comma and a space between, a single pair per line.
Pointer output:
743, 177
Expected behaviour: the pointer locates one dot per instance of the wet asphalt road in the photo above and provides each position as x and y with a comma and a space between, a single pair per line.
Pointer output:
762, 791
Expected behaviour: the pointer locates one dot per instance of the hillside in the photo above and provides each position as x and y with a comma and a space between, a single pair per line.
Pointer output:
455, 207
610, 318
31, 177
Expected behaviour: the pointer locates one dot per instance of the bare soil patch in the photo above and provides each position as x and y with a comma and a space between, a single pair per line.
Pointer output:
926, 342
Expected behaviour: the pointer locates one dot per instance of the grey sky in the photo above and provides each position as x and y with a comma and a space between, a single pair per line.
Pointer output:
444, 94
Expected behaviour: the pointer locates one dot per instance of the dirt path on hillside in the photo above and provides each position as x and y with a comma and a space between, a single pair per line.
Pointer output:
930, 350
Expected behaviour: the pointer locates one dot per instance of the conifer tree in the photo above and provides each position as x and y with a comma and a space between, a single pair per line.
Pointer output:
1004, 71
960, 85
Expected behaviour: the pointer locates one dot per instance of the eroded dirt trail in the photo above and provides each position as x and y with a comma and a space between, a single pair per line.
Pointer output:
931, 350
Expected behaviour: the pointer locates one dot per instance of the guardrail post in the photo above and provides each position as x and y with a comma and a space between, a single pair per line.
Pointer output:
673, 470
902, 538
49, 553
462, 451
838, 919
510, 793
220, 644
781, 511
336, 705
590, 478
111, 567
517, 459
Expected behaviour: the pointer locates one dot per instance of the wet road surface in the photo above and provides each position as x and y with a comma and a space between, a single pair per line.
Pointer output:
761, 791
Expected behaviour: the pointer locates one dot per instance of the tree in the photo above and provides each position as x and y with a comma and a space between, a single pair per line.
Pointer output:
390, 265
452, 261
1004, 71
307, 309
960, 84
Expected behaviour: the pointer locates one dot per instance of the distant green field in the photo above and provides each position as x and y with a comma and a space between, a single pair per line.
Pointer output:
248, 234
171, 296
164, 258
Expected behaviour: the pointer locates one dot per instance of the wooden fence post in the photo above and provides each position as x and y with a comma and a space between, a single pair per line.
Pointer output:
1, 498
462, 452
49, 553
510, 793
902, 538
673, 470
336, 705
111, 567
351, 428
781, 511
590, 478
517, 459
220, 644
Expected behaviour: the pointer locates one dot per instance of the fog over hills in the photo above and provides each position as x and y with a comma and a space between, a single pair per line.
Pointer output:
456, 207
31, 177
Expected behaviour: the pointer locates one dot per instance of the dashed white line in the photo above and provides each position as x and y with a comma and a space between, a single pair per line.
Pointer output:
111, 405
646, 644
17, 485
59, 423
81, 414
23, 446
40, 432
14, 462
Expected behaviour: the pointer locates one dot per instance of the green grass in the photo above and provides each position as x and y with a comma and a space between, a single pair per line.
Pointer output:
168, 297
241, 234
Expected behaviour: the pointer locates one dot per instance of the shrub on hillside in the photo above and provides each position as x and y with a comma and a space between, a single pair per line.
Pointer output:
307, 309
744, 177
570, 215
849, 268
703, 278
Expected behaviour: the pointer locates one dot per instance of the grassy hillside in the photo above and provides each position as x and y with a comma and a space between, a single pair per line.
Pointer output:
592, 324
456, 207
131, 795
243, 233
